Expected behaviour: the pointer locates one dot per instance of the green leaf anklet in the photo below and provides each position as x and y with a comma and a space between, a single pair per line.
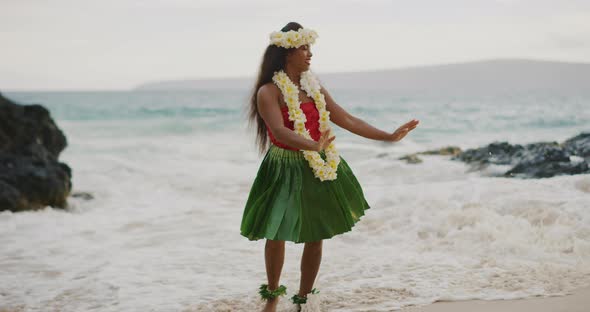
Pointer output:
301, 300
267, 294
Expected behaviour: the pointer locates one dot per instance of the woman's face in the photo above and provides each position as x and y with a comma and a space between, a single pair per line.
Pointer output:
300, 58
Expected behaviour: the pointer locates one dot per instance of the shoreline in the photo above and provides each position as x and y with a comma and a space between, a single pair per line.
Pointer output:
577, 301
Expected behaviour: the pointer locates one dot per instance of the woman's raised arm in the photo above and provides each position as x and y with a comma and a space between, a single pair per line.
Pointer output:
345, 120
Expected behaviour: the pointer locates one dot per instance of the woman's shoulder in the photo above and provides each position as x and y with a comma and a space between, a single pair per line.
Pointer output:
268, 94
269, 89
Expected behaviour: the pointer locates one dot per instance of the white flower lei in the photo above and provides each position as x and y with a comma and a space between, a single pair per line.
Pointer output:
322, 169
292, 38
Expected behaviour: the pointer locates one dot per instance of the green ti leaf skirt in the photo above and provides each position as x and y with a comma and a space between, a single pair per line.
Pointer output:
286, 202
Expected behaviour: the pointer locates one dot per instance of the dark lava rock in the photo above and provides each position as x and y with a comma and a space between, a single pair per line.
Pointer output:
579, 145
411, 159
547, 169
445, 151
83, 195
535, 160
498, 153
31, 176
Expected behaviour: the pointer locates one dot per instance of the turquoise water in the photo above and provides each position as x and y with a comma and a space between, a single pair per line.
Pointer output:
444, 119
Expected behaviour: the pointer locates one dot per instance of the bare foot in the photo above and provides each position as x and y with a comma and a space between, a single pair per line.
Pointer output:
271, 305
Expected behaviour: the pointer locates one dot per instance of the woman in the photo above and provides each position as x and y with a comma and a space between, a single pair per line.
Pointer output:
304, 191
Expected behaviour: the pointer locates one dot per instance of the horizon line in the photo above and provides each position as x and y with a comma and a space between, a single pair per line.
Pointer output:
135, 88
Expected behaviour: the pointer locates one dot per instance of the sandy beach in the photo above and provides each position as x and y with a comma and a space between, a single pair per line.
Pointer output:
578, 301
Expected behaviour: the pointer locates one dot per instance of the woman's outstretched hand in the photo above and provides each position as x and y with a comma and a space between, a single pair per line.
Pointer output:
324, 141
401, 132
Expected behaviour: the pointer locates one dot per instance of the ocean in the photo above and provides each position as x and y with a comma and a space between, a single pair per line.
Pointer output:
170, 172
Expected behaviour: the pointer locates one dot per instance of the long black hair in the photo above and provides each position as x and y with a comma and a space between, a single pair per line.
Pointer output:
274, 59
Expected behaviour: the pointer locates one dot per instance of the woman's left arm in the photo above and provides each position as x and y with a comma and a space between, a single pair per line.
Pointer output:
359, 127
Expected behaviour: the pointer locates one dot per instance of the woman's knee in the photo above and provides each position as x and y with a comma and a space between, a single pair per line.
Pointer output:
275, 244
317, 245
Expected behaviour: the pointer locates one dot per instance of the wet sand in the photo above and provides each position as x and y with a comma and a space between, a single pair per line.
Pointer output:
578, 301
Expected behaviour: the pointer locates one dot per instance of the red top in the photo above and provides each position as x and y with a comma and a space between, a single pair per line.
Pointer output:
312, 124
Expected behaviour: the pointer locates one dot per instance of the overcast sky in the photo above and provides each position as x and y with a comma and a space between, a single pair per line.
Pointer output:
118, 44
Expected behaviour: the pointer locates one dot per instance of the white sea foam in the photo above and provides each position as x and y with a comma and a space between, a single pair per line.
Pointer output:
162, 233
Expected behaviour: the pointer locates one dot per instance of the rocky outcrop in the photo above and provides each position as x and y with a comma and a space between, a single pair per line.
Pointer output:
579, 146
447, 151
535, 160
31, 177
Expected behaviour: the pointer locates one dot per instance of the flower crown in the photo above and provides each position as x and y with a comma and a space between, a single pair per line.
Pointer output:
292, 38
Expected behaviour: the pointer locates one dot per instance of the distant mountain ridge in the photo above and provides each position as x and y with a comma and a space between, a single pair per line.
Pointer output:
489, 76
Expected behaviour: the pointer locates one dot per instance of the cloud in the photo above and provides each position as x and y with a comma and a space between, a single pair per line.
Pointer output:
119, 44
